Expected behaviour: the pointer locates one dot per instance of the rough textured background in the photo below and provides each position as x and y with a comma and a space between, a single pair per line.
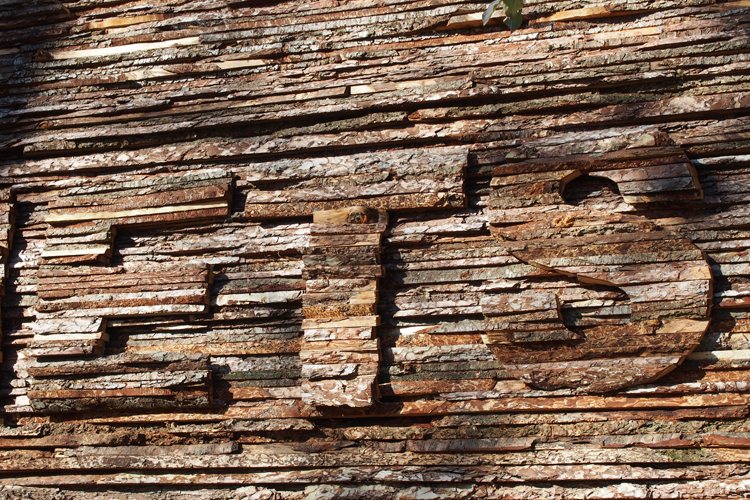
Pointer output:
162, 162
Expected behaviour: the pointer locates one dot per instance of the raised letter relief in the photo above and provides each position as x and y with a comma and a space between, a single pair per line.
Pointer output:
7, 228
340, 354
77, 296
665, 276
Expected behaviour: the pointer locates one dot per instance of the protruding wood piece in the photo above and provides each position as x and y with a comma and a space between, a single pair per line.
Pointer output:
664, 276
340, 354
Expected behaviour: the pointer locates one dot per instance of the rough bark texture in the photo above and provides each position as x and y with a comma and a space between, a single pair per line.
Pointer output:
544, 292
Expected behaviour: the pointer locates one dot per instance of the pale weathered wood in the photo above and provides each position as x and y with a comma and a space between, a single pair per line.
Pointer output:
74, 54
128, 21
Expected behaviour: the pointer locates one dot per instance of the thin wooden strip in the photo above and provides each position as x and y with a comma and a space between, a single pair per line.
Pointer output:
326, 334
430, 387
124, 21
119, 363
142, 310
337, 371
470, 445
122, 49
564, 403
82, 348
644, 273
161, 380
349, 240
406, 162
267, 347
264, 393
575, 457
39, 338
390, 202
232, 299
50, 252
185, 296
183, 196
344, 345
355, 321
62, 294
103, 276
408, 478
105, 393
134, 213
48, 326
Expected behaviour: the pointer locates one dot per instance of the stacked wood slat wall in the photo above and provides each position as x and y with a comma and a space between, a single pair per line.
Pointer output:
561, 291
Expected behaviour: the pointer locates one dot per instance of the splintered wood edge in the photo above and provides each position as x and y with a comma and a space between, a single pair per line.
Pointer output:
568, 178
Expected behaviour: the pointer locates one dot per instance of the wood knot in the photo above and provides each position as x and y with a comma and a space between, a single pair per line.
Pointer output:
356, 215
361, 215
652, 326
43, 56
563, 221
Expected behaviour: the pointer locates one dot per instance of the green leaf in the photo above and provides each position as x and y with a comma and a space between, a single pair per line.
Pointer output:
514, 22
489, 11
512, 7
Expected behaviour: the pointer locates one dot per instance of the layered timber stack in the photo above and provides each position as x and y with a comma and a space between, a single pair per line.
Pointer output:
399, 180
157, 380
71, 321
82, 219
341, 353
549, 297
75, 302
